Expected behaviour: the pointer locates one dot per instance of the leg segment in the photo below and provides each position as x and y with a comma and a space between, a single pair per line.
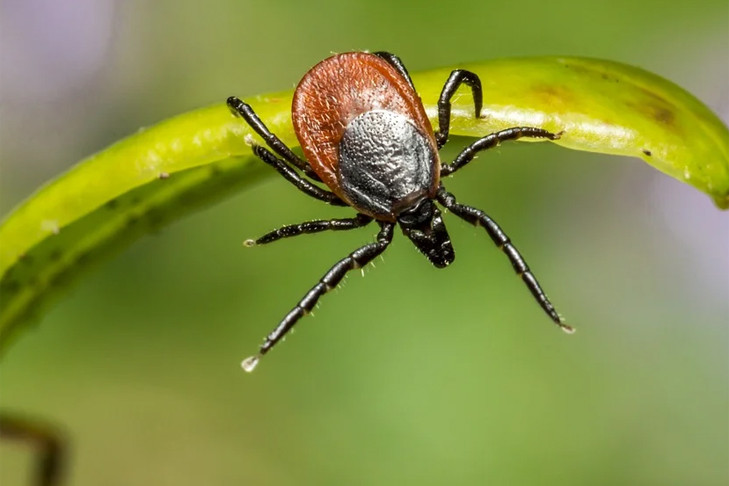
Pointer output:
293, 177
357, 259
491, 141
477, 217
244, 110
395, 62
47, 442
315, 226
457, 77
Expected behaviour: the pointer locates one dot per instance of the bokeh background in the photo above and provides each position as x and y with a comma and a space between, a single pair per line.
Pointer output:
411, 375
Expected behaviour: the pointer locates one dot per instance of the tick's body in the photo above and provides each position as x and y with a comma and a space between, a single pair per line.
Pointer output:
365, 134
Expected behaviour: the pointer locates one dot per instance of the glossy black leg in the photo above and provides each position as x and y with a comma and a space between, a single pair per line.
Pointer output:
491, 141
395, 62
296, 179
244, 110
478, 218
357, 259
457, 77
315, 226
47, 442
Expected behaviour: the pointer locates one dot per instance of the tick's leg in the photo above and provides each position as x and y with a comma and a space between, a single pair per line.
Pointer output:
395, 62
315, 226
456, 78
491, 141
296, 179
47, 442
244, 110
478, 218
357, 259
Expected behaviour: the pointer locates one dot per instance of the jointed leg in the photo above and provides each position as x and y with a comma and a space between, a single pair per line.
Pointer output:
293, 177
456, 78
357, 259
244, 110
492, 140
395, 62
311, 227
478, 217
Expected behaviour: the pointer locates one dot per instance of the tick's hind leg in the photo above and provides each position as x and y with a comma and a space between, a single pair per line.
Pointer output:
315, 226
492, 140
478, 218
244, 110
296, 179
357, 259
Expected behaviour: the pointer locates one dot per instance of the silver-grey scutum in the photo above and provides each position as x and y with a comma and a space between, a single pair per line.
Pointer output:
385, 163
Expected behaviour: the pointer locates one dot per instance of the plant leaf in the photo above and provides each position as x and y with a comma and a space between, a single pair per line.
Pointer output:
180, 165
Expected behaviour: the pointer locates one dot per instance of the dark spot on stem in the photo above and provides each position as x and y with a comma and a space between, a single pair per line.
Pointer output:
10, 286
25, 259
661, 114
558, 97
647, 152
83, 258
658, 108
131, 221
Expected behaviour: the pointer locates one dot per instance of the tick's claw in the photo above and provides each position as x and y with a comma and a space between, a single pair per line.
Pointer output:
249, 364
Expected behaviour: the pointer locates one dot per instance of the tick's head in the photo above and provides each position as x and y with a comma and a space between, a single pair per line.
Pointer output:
423, 224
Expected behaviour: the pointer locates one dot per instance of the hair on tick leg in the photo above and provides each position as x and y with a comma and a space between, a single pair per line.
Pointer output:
567, 329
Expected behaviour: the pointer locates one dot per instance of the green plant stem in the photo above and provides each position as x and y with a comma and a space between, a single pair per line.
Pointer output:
180, 165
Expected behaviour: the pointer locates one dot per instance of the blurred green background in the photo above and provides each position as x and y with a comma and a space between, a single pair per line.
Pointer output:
412, 375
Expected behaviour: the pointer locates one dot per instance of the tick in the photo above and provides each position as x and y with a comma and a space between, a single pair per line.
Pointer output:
365, 135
